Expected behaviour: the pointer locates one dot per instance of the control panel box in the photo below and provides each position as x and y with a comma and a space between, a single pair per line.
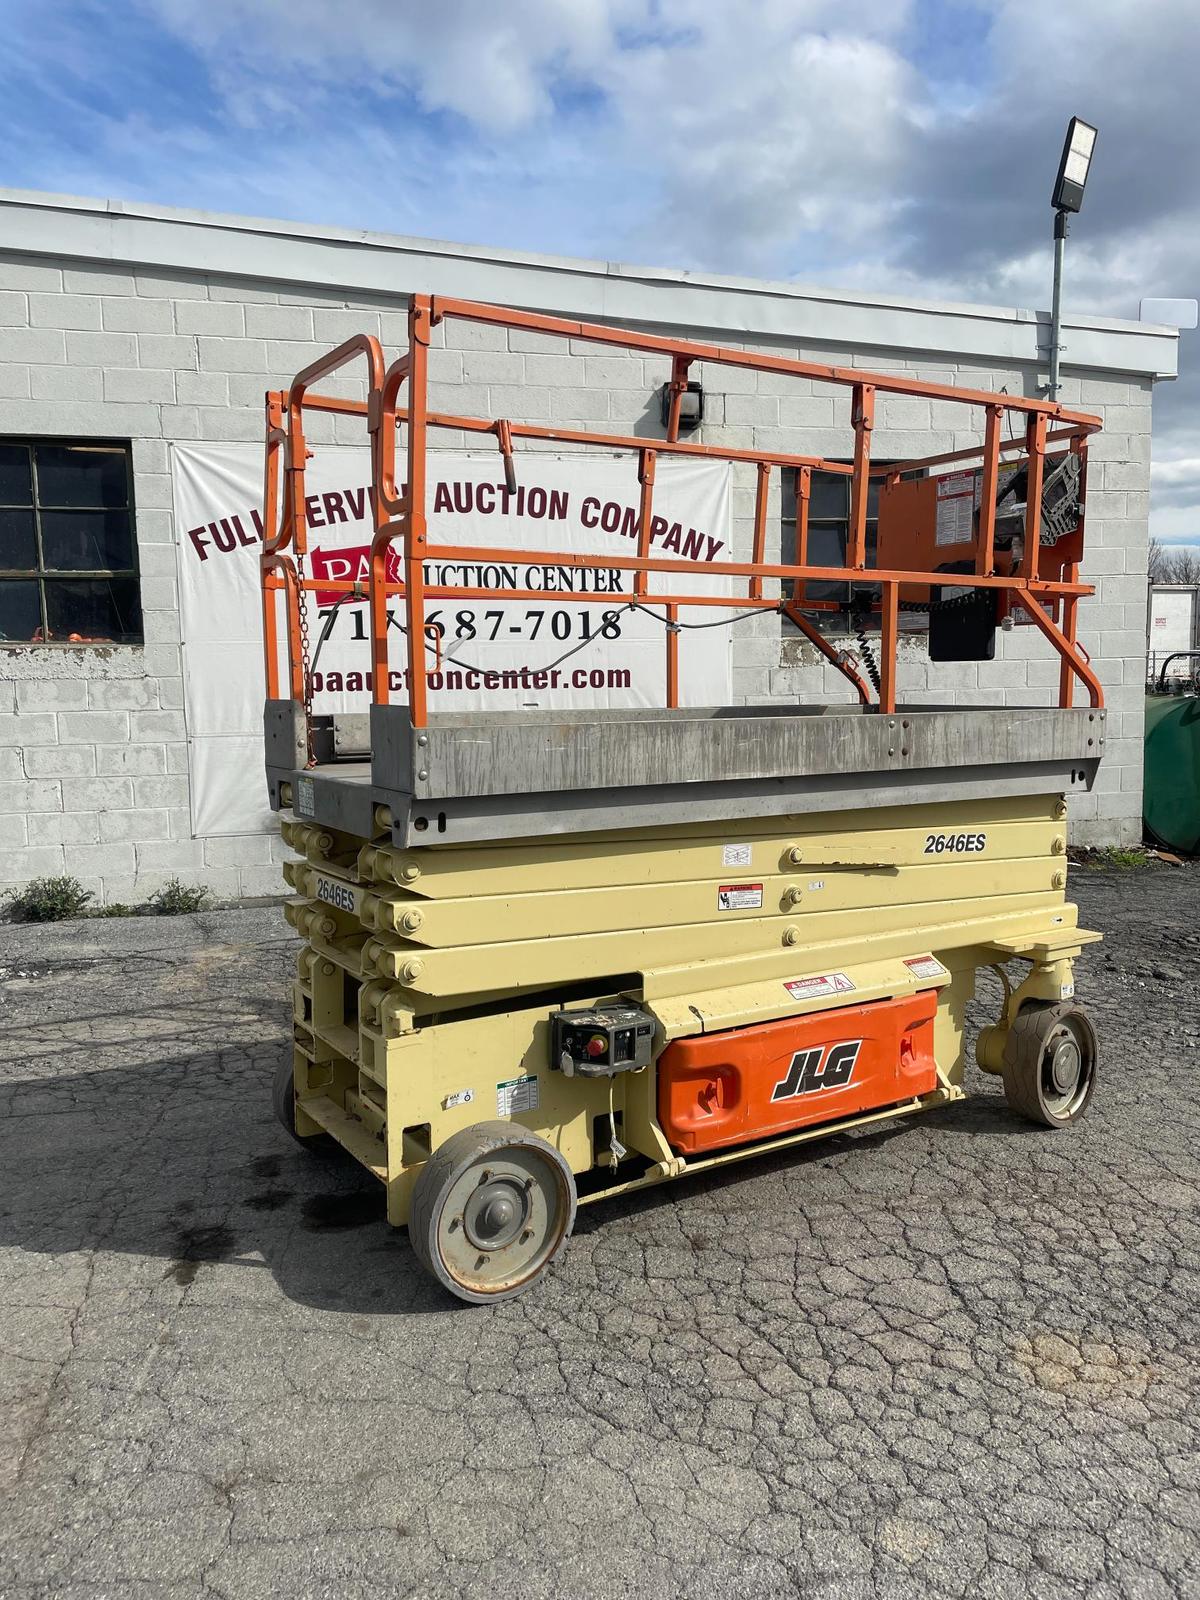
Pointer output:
598, 1041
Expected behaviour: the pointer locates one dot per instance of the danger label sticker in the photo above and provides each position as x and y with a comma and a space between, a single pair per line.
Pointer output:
819, 988
925, 967
518, 1094
735, 855
740, 897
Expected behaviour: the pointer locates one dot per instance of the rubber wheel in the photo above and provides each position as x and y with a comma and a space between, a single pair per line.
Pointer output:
283, 1102
491, 1210
1049, 1064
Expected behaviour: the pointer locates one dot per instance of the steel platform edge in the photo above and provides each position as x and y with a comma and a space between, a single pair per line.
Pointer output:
469, 777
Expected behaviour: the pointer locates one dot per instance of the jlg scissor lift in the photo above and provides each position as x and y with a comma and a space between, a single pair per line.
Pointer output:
549, 957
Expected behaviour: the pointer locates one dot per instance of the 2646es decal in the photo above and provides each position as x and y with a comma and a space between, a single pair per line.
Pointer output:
826, 1067
940, 844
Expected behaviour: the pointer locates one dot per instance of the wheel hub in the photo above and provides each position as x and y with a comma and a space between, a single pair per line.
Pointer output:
1065, 1064
495, 1214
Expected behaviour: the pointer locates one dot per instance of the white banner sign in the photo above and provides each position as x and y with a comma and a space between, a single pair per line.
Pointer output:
549, 652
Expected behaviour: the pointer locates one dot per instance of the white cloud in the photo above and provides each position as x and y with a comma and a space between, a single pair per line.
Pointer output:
496, 65
897, 144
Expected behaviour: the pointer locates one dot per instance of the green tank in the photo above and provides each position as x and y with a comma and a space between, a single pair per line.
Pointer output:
1171, 798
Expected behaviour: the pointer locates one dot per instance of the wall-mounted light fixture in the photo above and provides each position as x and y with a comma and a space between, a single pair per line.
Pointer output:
691, 407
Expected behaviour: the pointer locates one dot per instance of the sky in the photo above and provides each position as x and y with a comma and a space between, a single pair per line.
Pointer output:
896, 146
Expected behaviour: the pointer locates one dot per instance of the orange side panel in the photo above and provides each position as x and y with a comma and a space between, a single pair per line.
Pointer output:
907, 538
748, 1083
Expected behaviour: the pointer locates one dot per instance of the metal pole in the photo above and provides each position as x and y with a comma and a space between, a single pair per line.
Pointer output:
1060, 240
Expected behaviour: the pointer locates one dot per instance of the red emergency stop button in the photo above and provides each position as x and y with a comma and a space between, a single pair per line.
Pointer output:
596, 1045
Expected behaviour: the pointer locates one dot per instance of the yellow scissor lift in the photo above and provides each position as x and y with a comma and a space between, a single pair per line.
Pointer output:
548, 957
431, 976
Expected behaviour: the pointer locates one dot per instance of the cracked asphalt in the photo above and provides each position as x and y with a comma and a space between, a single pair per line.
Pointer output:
956, 1357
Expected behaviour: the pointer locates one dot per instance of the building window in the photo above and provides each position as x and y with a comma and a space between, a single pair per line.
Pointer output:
828, 525
68, 557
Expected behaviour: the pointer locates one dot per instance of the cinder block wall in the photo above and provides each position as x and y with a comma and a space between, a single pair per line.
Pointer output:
93, 751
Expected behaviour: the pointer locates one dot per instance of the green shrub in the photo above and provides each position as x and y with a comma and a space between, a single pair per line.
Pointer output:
49, 900
116, 909
176, 899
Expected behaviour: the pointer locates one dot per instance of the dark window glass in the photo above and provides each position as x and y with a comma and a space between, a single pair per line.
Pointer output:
16, 483
81, 475
102, 609
828, 526
18, 540
87, 541
20, 610
67, 549
829, 496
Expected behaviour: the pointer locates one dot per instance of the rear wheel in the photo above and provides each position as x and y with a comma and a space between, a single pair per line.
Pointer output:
283, 1102
1049, 1064
491, 1209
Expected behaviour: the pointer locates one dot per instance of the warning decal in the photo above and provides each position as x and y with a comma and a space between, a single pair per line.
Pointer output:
518, 1094
955, 508
925, 967
828, 984
739, 897
735, 855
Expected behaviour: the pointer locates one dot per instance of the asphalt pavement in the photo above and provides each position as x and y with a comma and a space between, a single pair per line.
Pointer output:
955, 1357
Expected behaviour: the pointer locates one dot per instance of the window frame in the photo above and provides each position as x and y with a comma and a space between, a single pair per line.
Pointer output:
826, 523
834, 621
41, 574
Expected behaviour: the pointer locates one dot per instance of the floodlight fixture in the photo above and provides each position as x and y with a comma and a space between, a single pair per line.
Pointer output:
1073, 167
1074, 164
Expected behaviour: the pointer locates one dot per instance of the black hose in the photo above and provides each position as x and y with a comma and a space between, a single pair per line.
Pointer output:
867, 654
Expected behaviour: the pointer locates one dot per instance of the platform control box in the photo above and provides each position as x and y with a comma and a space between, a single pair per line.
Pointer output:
599, 1041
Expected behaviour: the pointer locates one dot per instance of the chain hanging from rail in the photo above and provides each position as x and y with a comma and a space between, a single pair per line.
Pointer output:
302, 579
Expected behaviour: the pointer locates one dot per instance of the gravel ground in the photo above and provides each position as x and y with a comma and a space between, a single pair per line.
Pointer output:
955, 1357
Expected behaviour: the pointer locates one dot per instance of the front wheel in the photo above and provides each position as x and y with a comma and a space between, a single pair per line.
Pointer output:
283, 1103
1049, 1064
491, 1209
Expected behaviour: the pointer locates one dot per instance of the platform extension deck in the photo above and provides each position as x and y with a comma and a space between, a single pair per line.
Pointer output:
469, 777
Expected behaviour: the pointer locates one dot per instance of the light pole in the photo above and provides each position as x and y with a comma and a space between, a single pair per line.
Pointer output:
1068, 196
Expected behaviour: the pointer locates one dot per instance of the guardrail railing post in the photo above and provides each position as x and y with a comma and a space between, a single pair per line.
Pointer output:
864, 420
985, 555
415, 524
760, 526
646, 466
680, 366
803, 495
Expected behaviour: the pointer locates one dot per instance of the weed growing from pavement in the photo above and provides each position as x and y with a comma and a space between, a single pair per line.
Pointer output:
1120, 860
64, 898
176, 899
49, 900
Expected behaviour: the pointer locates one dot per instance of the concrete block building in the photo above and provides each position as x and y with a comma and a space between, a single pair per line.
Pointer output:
126, 328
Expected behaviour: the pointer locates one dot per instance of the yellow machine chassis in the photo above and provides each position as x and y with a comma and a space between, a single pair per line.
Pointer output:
428, 976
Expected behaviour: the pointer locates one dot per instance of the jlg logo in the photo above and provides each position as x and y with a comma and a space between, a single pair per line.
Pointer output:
823, 1068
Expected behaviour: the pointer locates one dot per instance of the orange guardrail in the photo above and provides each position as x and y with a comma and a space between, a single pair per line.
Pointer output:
1044, 582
